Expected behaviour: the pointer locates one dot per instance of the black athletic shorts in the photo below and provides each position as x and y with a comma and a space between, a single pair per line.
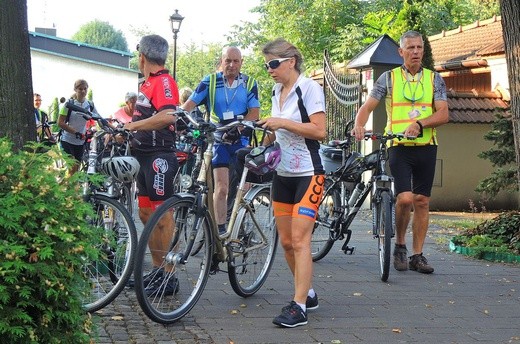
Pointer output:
156, 174
413, 168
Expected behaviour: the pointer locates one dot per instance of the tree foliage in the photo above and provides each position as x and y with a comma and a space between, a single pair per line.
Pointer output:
502, 157
346, 27
101, 34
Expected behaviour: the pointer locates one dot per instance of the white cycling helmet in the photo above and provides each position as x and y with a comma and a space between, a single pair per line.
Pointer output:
121, 168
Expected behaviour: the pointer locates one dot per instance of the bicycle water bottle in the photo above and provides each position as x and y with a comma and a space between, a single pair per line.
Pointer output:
92, 159
355, 194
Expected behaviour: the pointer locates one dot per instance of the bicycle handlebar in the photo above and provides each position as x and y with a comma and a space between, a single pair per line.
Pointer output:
87, 114
202, 125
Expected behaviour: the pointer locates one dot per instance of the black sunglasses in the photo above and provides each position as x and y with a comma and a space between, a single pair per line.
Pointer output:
275, 63
137, 47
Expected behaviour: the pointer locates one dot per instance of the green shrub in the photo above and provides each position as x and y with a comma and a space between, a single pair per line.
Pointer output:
44, 244
500, 234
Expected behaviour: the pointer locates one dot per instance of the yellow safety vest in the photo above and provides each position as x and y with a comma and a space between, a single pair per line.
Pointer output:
250, 82
411, 100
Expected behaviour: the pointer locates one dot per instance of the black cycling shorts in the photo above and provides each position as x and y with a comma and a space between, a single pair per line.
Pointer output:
413, 168
156, 174
75, 150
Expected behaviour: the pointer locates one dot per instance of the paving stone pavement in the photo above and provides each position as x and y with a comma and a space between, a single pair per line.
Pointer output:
463, 301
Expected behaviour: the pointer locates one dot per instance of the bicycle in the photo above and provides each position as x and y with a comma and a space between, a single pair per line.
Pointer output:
345, 193
111, 271
196, 249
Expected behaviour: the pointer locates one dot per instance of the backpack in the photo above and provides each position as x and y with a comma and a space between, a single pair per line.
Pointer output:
69, 111
91, 108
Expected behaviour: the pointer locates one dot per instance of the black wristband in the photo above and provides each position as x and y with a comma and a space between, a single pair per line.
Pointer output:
420, 128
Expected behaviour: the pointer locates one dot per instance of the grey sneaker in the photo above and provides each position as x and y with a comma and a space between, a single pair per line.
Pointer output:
419, 263
400, 257
292, 316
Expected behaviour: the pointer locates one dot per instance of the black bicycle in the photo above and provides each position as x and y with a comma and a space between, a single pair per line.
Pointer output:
345, 193
108, 274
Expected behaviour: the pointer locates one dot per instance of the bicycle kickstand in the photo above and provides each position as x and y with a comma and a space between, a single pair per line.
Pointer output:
346, 248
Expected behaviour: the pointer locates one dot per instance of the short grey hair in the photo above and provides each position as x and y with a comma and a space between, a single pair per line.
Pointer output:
154, 48
409, 34
281, 48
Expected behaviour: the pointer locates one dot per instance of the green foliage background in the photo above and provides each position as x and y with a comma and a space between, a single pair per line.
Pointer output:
101, 34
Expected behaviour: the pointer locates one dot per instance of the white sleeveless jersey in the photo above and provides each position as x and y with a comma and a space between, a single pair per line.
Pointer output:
300, 156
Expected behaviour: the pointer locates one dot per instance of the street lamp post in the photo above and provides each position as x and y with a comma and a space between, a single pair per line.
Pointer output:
175, 21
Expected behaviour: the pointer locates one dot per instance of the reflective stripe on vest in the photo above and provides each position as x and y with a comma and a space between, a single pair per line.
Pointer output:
250, 82
398, 107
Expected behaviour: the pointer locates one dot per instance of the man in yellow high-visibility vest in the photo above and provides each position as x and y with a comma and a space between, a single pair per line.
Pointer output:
416, 103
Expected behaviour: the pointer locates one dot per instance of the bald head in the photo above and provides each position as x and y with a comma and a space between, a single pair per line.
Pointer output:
231, 61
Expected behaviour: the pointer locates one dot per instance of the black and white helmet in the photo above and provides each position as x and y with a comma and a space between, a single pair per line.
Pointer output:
121, 168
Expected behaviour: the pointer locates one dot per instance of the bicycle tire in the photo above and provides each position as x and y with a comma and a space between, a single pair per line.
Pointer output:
253, 246
126, 197
109, 275
191, 270
384, 233
322, 239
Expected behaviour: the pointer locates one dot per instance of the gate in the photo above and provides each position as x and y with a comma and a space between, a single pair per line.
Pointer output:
342, 97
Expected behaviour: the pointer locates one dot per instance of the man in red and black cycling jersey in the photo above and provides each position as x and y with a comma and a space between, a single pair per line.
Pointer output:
154, 147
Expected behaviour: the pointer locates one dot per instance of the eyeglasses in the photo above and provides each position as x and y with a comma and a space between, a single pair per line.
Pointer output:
137, 47
275, 63
415, 94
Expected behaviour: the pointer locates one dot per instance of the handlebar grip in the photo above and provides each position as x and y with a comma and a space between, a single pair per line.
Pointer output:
334, 143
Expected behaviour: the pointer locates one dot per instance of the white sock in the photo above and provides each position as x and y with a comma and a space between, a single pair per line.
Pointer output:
302, 306
311, 293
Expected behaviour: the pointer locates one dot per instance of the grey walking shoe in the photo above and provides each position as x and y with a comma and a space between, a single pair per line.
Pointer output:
419, 263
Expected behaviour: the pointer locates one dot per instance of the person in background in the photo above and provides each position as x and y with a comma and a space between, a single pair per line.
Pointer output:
43, 129
416, 104
184, 94
153, 146
298, 121
74, 125
125, 113
226, 94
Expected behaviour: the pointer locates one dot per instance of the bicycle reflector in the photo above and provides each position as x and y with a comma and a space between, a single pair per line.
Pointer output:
263, 159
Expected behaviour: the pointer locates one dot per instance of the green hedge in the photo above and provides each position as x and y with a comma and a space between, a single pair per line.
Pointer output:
44, 244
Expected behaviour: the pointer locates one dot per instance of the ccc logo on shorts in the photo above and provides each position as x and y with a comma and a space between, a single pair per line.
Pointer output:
317, 189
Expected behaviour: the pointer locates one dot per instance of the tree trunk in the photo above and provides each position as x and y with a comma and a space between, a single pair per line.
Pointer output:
16, 94
510, 10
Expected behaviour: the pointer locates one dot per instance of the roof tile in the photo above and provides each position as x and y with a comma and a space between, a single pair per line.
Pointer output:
468, 42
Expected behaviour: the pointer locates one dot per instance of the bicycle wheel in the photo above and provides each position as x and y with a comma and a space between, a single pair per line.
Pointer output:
110, 273
170, 281
323, 234
384, 233
253, 243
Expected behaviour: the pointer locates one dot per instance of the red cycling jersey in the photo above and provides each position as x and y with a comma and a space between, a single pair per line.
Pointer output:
158, 92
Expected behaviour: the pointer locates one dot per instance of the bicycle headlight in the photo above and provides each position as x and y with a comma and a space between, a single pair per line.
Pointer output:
186, 181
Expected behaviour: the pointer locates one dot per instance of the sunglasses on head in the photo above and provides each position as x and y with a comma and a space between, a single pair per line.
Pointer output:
275, 63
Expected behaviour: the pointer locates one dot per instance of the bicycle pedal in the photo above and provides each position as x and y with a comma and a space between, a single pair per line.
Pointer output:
236, 246
349, 249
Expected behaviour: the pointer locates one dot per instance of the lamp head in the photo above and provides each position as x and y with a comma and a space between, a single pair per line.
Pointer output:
176, 21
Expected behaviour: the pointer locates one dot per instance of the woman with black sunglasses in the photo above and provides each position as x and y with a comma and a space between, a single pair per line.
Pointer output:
298, 122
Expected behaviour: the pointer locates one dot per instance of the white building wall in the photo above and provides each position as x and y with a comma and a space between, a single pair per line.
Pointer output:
54, 76
498, 73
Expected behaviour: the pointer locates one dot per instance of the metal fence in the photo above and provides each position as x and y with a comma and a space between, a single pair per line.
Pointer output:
342, 97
